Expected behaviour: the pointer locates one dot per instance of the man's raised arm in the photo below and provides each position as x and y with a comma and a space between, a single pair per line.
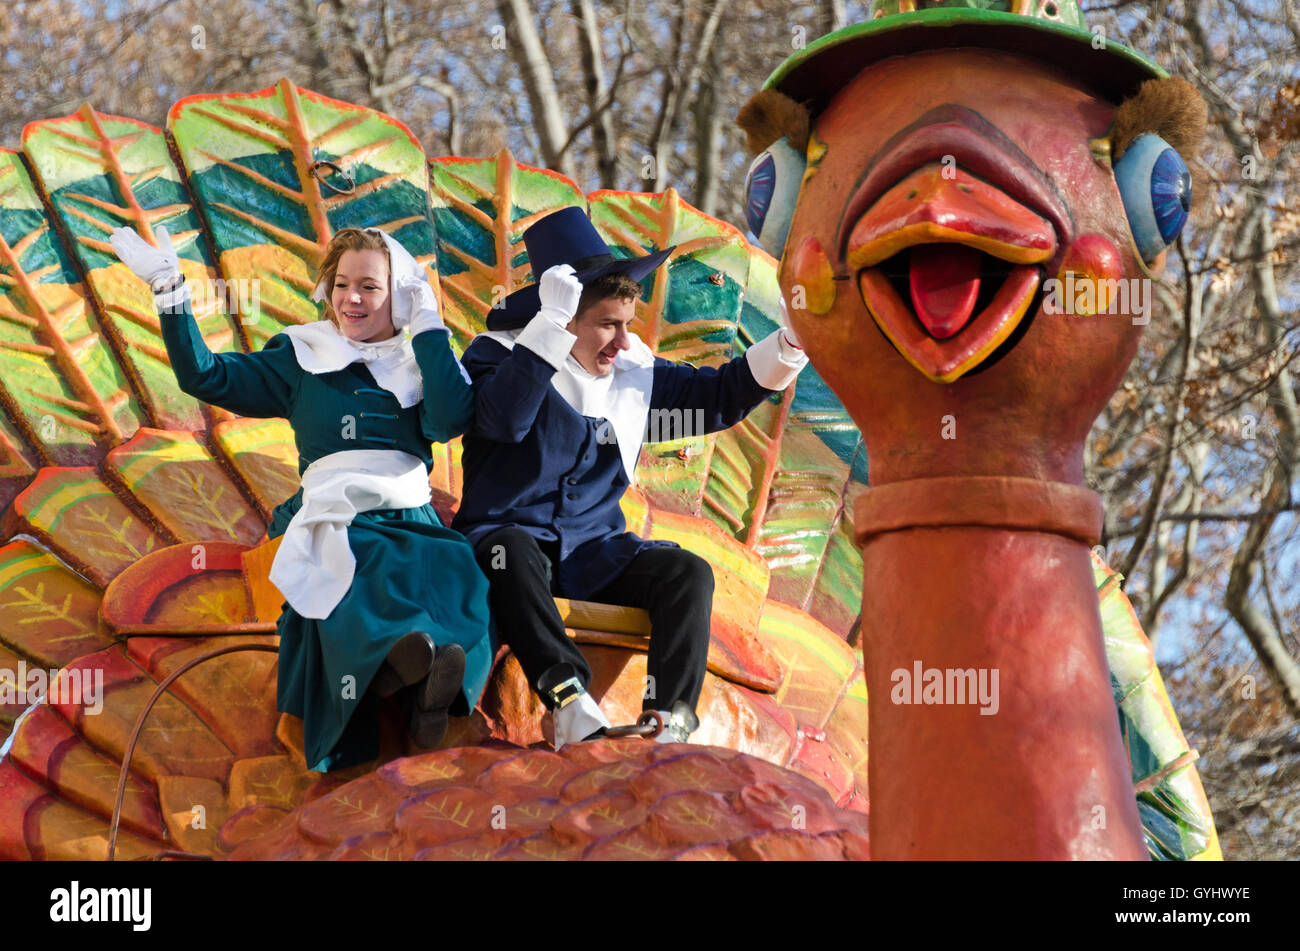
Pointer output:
510, 384
724, 396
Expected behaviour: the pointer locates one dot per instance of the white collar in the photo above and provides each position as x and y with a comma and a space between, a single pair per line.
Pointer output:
322, 348
585, 392
622, 396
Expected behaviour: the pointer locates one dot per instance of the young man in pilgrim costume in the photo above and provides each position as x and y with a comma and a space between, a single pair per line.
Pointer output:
563, 391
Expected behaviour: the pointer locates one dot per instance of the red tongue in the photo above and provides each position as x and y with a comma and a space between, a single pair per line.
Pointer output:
945, 281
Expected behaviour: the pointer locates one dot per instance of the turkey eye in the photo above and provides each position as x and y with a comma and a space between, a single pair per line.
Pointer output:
1157, 191
771, 188
759, 185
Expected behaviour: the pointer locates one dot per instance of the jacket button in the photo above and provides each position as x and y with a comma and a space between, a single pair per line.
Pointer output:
571, 480
571, 495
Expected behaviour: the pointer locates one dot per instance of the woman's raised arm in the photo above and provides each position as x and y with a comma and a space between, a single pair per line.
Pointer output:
260, 384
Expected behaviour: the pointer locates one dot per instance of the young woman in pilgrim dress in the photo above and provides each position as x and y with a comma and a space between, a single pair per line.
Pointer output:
381, 598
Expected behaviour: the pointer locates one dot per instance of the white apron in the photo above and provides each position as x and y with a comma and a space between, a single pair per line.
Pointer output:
314, 565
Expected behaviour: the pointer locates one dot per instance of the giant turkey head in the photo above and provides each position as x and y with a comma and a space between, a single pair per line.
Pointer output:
970, 206
971, 202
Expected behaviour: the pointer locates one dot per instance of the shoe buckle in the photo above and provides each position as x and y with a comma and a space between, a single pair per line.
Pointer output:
565, 692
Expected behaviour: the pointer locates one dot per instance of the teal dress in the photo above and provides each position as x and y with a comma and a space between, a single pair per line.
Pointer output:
412, 572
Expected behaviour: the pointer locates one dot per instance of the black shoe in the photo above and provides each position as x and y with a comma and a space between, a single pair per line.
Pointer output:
408, 663
441, 686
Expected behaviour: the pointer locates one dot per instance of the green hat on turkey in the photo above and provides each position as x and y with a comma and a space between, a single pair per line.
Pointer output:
1053, 31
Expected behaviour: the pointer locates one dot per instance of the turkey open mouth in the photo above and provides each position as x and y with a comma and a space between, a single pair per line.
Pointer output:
950, 231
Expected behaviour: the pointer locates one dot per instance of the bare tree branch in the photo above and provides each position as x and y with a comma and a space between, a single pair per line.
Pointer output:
539, 83
1263, 636
1175, 419
599, 96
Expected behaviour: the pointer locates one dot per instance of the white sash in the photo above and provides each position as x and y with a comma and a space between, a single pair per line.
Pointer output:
314, 566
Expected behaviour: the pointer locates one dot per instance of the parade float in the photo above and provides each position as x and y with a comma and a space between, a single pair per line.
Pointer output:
133, 577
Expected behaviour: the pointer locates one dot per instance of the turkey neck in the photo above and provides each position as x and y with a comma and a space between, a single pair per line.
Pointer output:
993, 733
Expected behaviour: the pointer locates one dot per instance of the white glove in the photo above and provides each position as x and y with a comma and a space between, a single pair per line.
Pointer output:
560, 292
786, 330
156, 266
421, 306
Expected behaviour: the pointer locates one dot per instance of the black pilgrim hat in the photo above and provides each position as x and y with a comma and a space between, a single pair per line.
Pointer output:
566, 237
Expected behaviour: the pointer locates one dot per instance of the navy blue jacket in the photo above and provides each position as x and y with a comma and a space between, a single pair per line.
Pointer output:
532, 461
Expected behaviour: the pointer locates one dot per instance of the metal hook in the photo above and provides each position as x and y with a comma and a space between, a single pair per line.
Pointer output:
650, 724
315, 170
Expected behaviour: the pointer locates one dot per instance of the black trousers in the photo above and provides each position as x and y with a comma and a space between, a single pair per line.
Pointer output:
674, 585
